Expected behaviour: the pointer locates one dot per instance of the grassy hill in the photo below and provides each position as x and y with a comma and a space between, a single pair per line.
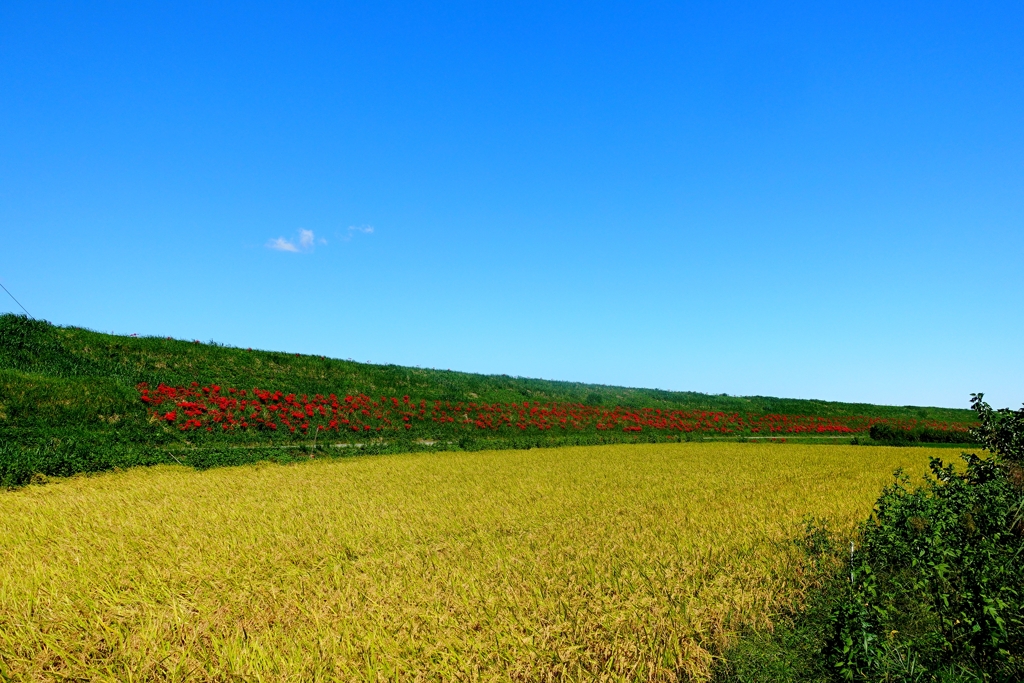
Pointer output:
70, 401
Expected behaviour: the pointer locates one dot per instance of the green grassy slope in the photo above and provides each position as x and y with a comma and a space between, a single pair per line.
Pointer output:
68, 397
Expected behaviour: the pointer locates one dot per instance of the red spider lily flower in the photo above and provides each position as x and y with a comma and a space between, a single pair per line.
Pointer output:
212, 404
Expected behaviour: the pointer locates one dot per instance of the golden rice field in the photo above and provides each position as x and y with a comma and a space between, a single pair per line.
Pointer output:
631, 563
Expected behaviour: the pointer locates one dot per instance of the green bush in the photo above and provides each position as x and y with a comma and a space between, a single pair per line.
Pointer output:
935, 588
931, 591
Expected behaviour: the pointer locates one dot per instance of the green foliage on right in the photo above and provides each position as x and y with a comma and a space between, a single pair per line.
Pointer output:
935, 590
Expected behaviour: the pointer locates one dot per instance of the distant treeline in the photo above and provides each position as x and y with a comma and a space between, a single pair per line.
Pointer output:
889, 434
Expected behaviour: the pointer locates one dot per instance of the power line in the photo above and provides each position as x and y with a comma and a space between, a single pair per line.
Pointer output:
16, 301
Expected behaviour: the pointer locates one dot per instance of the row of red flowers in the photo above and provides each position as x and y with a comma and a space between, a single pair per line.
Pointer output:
212, 408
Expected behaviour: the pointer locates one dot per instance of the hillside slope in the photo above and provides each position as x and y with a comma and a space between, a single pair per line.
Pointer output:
70, 401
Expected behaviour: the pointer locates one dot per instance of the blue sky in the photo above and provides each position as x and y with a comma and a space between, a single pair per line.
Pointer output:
818, 200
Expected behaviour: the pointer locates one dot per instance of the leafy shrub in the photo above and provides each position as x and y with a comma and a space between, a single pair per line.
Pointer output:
934, 591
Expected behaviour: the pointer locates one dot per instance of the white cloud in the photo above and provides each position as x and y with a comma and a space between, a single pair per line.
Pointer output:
354, 229
305, 243
281, 244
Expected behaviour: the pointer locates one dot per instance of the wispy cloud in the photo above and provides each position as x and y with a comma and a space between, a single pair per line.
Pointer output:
281, 244
306, 240
305, 243
358, 229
